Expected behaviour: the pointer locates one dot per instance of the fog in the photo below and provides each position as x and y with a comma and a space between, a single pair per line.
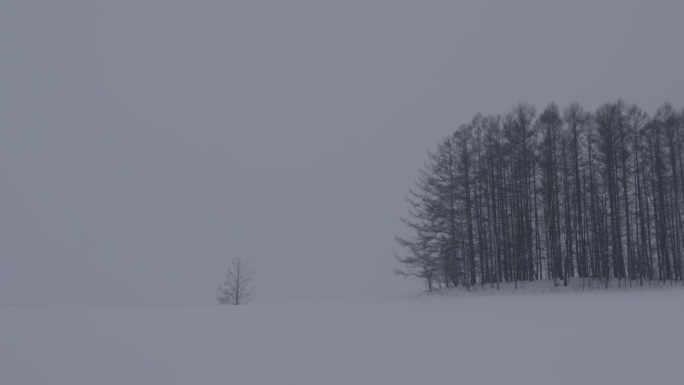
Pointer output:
143, 144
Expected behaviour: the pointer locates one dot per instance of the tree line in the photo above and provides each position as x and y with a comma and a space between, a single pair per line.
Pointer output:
555, 195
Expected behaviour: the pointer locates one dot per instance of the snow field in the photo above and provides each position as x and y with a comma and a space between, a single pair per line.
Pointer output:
562, 338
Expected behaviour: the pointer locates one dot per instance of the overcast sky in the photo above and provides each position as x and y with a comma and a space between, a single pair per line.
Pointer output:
145, 143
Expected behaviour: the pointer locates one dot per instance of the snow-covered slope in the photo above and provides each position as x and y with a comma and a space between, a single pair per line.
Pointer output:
563, 338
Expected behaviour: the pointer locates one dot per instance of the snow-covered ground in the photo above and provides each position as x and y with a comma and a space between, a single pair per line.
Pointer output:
595, 337
549, 286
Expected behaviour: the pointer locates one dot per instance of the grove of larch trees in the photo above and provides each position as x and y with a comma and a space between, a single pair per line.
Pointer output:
551, 195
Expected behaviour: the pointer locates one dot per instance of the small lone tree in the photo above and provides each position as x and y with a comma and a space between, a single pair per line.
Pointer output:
235, 290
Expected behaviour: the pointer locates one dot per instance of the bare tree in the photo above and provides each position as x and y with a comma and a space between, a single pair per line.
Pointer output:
235, 289
433, 216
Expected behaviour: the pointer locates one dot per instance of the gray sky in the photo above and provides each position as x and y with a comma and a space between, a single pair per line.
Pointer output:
145, 143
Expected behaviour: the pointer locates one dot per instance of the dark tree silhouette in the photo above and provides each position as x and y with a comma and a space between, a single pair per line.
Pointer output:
520, 197
235, 289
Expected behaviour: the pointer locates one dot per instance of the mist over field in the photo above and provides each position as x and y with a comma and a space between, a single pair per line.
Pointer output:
143, 145
378, 191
